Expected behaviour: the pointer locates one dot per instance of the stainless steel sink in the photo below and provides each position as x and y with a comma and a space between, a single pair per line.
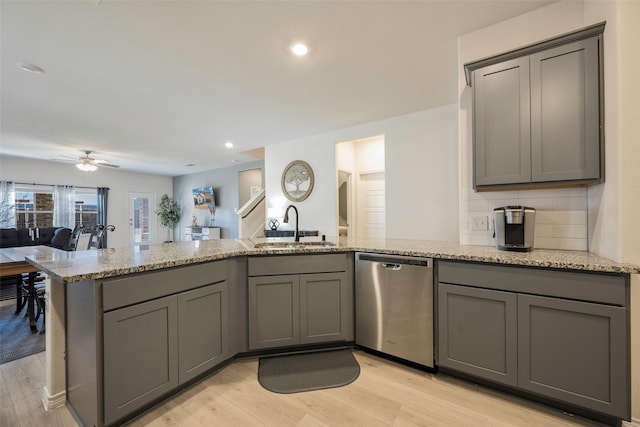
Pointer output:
292, 245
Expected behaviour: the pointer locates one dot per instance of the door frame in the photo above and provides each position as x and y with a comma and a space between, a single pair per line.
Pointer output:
153, 220
351, 198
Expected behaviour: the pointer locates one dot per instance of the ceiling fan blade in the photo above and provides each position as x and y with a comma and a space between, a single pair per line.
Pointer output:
109, 165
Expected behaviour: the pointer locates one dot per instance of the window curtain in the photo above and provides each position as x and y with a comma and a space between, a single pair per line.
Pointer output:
64, 207
103, 196
8, 203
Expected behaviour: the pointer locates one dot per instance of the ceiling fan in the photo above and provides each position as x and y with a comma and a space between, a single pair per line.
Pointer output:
89, 164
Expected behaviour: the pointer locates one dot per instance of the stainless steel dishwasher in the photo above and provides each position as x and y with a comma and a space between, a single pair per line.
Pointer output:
394, 306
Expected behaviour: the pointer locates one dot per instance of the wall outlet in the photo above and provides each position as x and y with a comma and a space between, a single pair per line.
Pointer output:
479, 223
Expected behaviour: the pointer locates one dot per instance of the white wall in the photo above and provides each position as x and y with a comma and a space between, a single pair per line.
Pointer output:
629, 101
420, 173
613, 206
120, 184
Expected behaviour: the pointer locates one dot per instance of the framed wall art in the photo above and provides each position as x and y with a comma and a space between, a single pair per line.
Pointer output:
297, 180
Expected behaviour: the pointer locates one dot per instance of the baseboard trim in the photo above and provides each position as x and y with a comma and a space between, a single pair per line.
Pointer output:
52, 402
632, 423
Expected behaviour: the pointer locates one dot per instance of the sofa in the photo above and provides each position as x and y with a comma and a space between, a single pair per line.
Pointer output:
56, 237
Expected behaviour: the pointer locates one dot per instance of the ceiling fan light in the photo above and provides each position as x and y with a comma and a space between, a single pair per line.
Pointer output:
86, 167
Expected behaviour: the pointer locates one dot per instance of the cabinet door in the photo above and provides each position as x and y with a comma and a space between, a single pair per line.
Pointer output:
575, 352
565, 118
140, 355
326, 308
478, 332
502, 123
202, 330
274, 311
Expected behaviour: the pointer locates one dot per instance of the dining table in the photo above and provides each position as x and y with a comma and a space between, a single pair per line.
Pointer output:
13, 262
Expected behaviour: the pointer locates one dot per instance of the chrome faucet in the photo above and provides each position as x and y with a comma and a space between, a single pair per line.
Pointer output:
296, 234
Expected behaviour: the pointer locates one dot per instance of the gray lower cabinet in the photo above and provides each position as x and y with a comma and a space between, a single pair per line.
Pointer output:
486, 348
202, 330
140, 355
299, 309
274, 310
152, 347
561, 335
572, 351
134, 339
326, 307
537, 117
293, 309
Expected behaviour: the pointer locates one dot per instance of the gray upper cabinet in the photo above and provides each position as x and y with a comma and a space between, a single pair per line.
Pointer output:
565, 131
537, 114
502, 121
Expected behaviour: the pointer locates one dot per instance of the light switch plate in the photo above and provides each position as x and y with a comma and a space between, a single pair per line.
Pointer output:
479, 223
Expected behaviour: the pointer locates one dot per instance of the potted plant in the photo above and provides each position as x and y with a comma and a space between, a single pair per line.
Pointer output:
169, 214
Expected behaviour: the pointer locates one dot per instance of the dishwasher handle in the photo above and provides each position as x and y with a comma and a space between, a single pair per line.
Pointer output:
395, 260
390, 266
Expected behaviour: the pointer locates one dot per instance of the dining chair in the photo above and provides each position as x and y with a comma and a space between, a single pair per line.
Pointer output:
75, 237
96, 240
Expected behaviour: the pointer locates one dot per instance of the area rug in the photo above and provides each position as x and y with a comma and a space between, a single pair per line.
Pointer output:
7, 290
16, 339
300, 372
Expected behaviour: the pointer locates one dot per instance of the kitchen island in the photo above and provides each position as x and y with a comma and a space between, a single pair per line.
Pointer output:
82, 270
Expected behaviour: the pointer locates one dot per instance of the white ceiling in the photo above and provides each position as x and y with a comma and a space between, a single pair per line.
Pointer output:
155, 85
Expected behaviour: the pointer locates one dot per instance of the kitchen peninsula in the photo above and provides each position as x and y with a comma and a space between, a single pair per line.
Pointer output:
109, 286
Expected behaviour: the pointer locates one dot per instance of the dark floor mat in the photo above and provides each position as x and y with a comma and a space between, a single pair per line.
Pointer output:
308, 371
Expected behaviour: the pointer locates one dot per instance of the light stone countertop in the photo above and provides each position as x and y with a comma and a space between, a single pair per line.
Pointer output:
83, 265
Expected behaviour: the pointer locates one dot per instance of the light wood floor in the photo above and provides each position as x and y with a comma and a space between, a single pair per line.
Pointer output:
385, 394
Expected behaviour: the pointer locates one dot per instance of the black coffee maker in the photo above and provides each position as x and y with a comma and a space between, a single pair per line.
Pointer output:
514, 227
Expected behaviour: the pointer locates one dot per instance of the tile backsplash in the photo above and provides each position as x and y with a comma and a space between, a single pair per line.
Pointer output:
561, 216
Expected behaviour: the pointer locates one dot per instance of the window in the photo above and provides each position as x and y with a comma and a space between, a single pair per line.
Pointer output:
34, 206
86, 208
34, 209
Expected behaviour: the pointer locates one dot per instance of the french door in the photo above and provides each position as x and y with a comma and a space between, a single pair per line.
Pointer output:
142, 221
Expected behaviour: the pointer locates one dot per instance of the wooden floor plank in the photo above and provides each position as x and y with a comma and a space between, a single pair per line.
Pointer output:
385, 394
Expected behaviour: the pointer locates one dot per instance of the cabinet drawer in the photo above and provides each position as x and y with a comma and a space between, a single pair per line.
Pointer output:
146, 286
297, 264
602, 288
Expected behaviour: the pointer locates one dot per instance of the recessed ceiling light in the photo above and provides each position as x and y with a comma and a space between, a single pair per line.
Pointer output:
299, 49
233, 160
30, 68
189, 165
228, 144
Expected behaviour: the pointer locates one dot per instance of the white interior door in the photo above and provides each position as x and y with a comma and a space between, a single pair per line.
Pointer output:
371, 205
142, 220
